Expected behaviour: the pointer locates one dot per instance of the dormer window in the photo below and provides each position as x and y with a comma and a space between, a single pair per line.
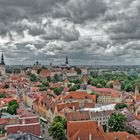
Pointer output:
71, 97
86, 97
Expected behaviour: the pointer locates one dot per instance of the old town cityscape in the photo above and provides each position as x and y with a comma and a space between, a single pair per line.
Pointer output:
69, 69
69, 102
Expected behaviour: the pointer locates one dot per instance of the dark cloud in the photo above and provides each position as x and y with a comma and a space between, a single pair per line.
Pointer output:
105, 31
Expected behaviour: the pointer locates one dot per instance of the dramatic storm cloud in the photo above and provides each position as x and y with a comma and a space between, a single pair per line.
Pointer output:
87, 31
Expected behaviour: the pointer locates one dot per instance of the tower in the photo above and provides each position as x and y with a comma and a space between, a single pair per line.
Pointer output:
37, 62
67, 61
2, 60
2, 66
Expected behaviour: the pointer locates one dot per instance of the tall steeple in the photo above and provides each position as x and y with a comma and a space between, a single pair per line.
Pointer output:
2, 59
37, 62
67, 61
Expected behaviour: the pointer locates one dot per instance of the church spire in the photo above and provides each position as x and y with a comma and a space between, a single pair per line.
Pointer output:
2, 59
67, 61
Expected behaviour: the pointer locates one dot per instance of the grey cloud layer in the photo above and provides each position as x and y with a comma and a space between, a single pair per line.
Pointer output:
105, 31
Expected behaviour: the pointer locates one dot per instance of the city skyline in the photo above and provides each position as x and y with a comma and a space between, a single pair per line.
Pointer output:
87, 31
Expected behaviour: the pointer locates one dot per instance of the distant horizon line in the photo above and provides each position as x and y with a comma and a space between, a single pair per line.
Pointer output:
77, 65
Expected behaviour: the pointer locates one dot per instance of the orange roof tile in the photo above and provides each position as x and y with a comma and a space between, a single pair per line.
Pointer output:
120, 136
78, 95
72, 105
84, 130
78, 115
115, 94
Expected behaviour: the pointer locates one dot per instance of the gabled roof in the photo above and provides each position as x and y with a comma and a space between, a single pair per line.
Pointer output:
84, 130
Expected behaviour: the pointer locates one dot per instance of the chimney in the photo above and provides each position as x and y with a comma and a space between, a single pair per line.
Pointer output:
116, 138
78, 138
90, 137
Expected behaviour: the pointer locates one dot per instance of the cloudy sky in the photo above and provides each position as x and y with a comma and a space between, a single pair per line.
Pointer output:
87, 31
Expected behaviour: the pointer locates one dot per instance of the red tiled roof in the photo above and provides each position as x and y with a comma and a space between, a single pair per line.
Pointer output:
115, 94
54, 85
78, 95
33, 128
105, 90
45, 73
3, 121
72, 105
120, 136
34, 89
93, 97
84, 130
78, 116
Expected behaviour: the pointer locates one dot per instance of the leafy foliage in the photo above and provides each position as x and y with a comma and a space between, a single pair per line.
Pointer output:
117, 122
57, 128
33, 78
120, 106
56, 78
12, 107
58, 90
2, 95
129, 87
78, 70
75, 87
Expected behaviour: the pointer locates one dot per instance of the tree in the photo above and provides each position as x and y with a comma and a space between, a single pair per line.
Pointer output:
78, 70
49, 79
39, 70
137, 84
120, 106
57, 128
56, 78
93, 74
58, 90
102, 82
109, 85
75, 87
129, 87
78, 81
117, 122
12, 107
45, 83
33, 78
2, 95
6, 86
94, 82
